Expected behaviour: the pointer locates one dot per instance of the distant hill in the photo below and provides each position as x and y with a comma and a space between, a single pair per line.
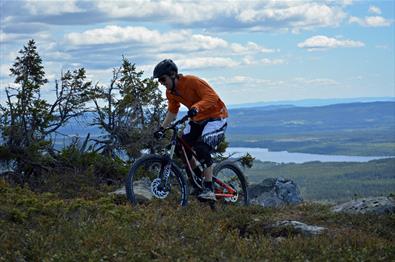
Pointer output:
313, 102
363, 128
293, 120
286, 119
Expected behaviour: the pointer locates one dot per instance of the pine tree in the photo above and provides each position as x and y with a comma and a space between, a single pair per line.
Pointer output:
129, 110
24, 99
27, 121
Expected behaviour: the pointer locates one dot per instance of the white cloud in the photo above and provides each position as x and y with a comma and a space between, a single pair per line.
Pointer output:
4, 70
245, 81
101, 75
173, 11
294, 15
252, 82
113, 34
374, 10
267, 61
257, 15
321, 42
207, 42
155, 41
6, 37
250, 47
315, 81
206, 62
340, 2
250, 60
370, 21
281, 15
54, 7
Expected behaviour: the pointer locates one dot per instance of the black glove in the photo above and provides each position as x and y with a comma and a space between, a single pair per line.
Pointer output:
158, 134
192, 112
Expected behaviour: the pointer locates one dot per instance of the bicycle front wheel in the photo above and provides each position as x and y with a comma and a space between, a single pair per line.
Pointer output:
230, 184
145, 183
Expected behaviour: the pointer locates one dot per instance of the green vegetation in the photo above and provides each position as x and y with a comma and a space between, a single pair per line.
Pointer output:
44, 227
332, 181
127, 111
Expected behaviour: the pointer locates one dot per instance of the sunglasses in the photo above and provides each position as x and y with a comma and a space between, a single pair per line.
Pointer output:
162, 80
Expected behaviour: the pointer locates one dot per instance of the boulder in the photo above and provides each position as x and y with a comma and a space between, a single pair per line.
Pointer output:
141, 188
275, 192
119, 191
376, 205
292, 227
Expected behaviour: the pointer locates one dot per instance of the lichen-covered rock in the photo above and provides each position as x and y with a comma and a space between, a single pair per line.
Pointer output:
141, 189
275, 192
119, 191
302, 227
292, 227
376, 205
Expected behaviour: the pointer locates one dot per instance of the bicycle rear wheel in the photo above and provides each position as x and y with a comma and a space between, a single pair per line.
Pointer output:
230, 174
144, 183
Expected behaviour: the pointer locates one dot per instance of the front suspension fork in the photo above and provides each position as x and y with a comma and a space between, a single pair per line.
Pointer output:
165, 170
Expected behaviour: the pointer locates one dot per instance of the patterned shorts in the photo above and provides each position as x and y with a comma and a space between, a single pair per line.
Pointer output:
212, 132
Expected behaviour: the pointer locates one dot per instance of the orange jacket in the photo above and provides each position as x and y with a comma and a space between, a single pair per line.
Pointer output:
192, 91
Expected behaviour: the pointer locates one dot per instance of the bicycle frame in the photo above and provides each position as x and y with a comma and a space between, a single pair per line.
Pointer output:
185, 147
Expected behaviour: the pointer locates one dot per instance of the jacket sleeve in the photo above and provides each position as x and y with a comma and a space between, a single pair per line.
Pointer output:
172, 106
208, 97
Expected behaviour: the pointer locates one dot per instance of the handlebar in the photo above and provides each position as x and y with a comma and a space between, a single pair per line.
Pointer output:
173, 126
179, 122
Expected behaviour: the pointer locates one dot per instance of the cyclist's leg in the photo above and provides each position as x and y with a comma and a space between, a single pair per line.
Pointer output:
191, 135
212, 135
203, 152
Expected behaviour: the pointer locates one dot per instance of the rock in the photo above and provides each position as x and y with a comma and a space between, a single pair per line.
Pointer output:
142, 190
288, 227
376, 205
120, 191
273, 192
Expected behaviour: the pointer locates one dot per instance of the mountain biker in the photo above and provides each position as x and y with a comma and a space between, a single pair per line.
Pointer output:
207, 114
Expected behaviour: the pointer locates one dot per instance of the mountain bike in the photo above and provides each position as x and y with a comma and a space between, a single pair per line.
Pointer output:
158, 177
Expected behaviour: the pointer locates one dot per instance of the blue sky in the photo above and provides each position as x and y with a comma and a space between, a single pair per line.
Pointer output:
249, 51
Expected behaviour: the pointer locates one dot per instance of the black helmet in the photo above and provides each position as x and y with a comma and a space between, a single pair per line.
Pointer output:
165, 67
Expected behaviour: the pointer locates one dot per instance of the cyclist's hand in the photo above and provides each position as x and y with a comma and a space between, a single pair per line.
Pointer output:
158, 134
192, 112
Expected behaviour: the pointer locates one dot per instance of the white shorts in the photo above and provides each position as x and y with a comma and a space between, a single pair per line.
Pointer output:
212, 133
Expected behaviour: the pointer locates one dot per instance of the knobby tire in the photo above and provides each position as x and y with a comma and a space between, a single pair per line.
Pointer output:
140, 172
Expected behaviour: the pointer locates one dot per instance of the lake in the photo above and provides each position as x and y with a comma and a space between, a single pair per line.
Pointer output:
263, 154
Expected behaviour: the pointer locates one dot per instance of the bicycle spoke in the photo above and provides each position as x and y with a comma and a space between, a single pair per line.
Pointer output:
146, 184
232, 188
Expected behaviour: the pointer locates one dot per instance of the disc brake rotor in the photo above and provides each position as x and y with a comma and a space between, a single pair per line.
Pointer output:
157, 190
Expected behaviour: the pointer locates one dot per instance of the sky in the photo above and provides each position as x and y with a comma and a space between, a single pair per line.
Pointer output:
249, 51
